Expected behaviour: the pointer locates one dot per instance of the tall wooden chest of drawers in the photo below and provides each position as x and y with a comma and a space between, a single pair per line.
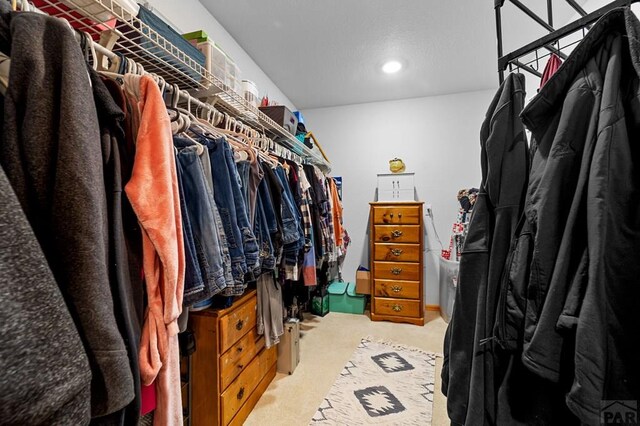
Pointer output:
231, 368
396, 238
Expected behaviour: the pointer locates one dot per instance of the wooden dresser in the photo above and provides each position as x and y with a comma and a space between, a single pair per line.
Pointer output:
231, 368
396, 238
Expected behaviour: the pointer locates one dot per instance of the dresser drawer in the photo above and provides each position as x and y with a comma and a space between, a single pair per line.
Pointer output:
268, 357
397, 307
398, 289
396, 181
236, 324
397, 252
396, 271
239, 391
239, 356
408, 215
396, 233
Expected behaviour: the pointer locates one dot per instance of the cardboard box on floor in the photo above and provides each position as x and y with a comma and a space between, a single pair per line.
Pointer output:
363, 282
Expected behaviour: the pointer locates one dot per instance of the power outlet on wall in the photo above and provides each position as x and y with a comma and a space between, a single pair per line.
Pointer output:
428, 211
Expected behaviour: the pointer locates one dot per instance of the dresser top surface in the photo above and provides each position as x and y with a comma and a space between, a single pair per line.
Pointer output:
396, 203
237, 302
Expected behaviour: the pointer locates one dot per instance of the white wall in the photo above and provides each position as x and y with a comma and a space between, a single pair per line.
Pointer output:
189, 15
438, 139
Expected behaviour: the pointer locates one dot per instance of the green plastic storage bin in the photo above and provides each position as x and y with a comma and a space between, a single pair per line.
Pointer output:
343, 298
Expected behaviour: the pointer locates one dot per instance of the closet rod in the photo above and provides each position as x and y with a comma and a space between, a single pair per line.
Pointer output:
556, 35
528, 67
278, 150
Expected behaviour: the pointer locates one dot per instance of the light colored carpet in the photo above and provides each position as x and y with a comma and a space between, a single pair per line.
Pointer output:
383, 383
326, 345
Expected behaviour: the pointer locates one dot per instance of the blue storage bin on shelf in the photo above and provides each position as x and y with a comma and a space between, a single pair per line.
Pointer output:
343, 298
183, 55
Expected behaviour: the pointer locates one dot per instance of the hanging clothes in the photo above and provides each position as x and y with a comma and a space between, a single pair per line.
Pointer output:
205, 160
127, 300
51, 153
575, 313
293, 235
553, 64
153, 193
270, 309
200, 209
46, 377
273, 200
336, 213
468, 374
309, 261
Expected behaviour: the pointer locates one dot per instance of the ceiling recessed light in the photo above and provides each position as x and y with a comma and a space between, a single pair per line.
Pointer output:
391, 67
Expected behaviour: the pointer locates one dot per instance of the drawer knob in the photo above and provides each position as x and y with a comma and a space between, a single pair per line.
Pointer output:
396, 233
240, 393
239, 325
396, 289
396, 308
391, 214
396, 271
396, 252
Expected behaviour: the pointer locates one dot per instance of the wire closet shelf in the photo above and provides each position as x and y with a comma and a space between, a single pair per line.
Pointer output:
121, 32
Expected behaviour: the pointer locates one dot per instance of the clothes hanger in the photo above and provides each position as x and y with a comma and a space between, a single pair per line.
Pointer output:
228, 132
91, 50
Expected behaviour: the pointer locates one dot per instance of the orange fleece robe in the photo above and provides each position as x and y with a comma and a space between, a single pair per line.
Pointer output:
153, 193
338, 228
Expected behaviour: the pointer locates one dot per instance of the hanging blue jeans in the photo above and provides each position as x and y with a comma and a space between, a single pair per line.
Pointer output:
261, 230
198, 202
243, 171
193, 282
291, 220
224, 246
223, 196
250, 246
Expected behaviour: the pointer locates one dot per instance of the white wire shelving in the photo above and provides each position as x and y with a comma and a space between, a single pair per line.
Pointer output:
135, 40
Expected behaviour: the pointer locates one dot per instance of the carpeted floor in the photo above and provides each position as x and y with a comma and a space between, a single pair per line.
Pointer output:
326, 345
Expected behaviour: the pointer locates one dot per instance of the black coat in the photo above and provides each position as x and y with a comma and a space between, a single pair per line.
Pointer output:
468, 371
571, 298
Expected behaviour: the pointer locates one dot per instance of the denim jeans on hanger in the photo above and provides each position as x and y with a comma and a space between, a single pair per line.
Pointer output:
193, 282
224, 246
267, 205
274, 214
291, 220
243, 171
223, 196
251, 251
206, 238
261, 229
255, 177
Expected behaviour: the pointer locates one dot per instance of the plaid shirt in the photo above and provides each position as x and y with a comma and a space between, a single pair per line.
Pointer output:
305, 209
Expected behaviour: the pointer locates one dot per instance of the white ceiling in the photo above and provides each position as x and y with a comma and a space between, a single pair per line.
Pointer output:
329, 52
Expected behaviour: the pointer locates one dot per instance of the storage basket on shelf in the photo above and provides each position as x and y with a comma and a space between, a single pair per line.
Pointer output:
343, 298
183, 56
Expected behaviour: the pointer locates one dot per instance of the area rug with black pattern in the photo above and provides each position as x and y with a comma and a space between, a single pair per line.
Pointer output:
384, 383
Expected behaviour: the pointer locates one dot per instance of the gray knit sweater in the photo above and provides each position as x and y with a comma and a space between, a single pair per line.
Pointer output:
45, 376
50, 151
